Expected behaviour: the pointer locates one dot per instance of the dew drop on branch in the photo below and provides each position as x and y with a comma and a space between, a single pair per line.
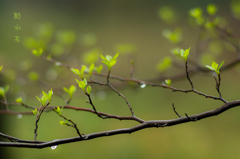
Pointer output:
19, 116
143, 85
54, 147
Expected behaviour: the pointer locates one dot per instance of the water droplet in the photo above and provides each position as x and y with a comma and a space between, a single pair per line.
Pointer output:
19, 116
143, 85
58, 63
54, 147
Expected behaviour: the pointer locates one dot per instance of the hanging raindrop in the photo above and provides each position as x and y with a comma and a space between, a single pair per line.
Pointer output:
143, 85
54, 147
19, 116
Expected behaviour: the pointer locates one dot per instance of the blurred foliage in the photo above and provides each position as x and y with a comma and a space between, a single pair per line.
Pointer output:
164, 64
89, 39
173, 36
235, 8
125, 48
104, 27
167, 14
91, 56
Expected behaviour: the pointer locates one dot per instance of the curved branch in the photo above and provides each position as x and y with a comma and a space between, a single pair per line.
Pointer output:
147, 124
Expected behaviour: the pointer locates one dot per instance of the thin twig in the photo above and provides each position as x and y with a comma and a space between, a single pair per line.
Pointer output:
175, 111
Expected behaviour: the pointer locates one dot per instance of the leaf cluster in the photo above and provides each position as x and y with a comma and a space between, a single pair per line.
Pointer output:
46, 98
109, 60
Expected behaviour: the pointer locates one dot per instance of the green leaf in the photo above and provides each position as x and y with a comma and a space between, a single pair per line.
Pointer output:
1, 68
106, 63
45, 94
39, 99
210, 67
103, 57
109, 58
99, 69
168, 82
76, 71
211, 9
57, 109
2, 92
50, 93
19, 100
66, 90
214, 65
35, 111
82, 70
82, 85
72, 89
88, 89
77, 80
220, 66
62, 122
116, 56
37, 53
91, 68
85, 81
185, 53
112, 63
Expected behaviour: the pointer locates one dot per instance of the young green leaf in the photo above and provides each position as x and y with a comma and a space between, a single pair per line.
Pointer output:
19, 100
66, 90
35, 111
82, 85
168, 82
1, 68
91, 68
62, 122
76, 71
215, 67
116, 56
103, 57
88, 89
72, 89
99, 69
220, 66
50, 93
2, 92
58, 110
185, 53
38, 52
85, 81
77, 80
82, 70
45, 94
109, 61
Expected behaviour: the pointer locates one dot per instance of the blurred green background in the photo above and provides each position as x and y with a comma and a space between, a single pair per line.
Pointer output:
77, 31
